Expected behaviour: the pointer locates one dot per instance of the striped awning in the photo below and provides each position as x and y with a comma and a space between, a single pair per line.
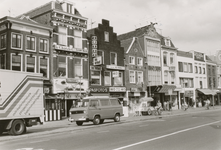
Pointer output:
208, 91
166, 88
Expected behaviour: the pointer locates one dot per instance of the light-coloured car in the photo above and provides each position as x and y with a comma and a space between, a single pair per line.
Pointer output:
96, 109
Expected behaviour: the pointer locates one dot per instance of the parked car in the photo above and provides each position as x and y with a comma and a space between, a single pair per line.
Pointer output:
96, 109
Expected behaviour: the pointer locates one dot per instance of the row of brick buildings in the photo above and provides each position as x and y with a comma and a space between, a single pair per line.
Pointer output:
53, 40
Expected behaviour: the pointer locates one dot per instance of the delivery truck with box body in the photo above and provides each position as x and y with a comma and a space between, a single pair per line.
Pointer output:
21, 101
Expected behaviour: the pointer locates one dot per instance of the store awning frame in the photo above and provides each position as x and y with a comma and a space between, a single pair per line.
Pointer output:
166, 88
208, 91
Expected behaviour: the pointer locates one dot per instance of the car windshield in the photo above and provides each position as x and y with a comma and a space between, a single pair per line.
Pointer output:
83, 103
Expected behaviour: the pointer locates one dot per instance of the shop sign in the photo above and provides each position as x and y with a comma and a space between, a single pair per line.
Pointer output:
99, 90
134, 90
117, 89
115, 67
199, 56
70, 96
97, 60
115, 73
71, 49
46, 90
94, 46
136, 93
99, 68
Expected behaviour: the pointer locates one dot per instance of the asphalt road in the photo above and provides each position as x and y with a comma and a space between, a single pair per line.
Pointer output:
195, 131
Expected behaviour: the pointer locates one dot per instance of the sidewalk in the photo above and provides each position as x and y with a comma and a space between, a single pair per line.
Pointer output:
65, 122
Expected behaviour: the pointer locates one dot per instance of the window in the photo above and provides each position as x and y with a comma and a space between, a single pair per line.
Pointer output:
132, 60
166, 77
95, 77
165, 58
113, 58
190, 68
139, 77
30, 43
62, 38
69, 8
172, 77
78, 67
115, 102
77, 39
43, 45
16, 40
107, 78
3, 41
16, 62
30, 64
171, 58
167, 42
196, 69
132, 76
118, 81
185, 67
44, 66
204, 71
2, 61
62, 65
101, 53
105, 102
200, 70
180, 66
140, 61
106, 36
94, 103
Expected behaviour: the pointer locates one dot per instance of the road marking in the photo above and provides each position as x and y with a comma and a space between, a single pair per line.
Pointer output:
144, 125
40, 141
103, 131
163, 136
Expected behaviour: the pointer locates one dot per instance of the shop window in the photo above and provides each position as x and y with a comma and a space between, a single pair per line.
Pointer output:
107, 78
132, 76
30, 43
95, 78
44, 66
118, 81
3, 41
16, 40
30, 64
62, 65
43, 45
16, 62
78, 67
113, 58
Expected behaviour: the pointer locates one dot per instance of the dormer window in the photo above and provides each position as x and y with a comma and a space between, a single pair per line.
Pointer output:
68, 6
167, 42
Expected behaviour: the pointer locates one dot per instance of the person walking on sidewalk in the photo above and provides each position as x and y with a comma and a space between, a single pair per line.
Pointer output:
207, 102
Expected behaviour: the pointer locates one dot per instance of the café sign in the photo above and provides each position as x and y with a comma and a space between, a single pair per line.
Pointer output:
117, 89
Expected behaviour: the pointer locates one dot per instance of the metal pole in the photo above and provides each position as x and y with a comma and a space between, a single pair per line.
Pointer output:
212, 95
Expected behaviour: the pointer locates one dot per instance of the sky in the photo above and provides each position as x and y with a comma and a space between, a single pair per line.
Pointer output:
190, 24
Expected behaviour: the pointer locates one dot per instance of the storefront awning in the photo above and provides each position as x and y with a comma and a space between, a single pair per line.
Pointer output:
166, 88
208, 91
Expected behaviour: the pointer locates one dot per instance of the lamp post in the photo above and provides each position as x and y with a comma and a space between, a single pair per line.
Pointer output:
80, 86
212, 95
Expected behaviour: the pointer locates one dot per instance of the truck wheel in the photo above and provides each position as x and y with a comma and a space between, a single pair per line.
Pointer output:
117, 118
79, 123
101, 121
18, 128
96, 120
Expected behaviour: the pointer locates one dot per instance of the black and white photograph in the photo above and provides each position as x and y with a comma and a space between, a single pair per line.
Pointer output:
110, 75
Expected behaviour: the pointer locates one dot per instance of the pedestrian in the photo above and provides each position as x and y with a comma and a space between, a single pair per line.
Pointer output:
164, 105
207, 102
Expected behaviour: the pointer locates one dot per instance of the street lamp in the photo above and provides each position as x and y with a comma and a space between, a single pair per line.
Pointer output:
80, 86
212, 94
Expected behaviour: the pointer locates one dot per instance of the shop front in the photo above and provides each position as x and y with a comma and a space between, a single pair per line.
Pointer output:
204, 94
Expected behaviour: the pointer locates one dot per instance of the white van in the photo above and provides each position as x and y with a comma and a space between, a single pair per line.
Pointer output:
96, 109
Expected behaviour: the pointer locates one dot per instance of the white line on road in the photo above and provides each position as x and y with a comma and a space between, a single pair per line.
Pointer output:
160, 137
40, 141
103, 131
144, 125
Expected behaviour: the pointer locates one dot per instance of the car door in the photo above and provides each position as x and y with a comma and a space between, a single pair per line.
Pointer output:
94, 108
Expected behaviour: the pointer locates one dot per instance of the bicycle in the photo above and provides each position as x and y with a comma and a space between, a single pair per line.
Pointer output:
157, 111
184, 107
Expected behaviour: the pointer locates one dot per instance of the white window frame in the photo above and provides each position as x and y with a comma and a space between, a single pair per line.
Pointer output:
110, 78
172, 56
139, 75
66, 67
134, 78
81, 74
120, 76
131, 60
18, 48
40, 57
139, 61
106, 36
26, 60
21, 61
78, 39
47, 47
62, 35
115, 60
31, 50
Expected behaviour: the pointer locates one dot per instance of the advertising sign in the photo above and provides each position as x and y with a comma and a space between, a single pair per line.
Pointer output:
115, 74
94, 45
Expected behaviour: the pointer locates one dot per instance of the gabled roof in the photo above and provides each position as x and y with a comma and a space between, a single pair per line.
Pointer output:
148, 30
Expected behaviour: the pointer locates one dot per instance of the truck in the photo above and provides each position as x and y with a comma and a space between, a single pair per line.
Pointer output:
21, 101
